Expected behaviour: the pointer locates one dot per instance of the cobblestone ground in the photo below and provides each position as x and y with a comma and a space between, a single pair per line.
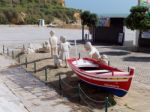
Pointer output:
123, 59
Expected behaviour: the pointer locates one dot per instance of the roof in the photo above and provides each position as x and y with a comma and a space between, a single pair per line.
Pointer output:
114, 15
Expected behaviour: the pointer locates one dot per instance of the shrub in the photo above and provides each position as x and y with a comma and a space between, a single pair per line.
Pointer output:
31, 20
11, 15
138, 18
3, 19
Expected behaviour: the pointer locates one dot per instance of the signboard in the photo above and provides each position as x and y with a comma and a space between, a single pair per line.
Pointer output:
104, 22
146, 35
120, 38
145, 3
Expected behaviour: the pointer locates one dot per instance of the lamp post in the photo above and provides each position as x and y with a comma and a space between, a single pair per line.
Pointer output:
139, 2
137, 34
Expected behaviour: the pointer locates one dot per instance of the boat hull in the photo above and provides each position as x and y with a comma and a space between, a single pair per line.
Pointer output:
116, 91
119, 86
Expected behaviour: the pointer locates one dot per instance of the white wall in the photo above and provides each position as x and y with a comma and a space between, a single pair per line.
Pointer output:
130, 37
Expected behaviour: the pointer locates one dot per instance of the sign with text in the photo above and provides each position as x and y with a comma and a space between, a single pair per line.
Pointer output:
104, 22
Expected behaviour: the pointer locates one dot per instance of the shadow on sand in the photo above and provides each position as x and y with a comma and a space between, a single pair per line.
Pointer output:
116, 53
137, 59
43, 68
72, 42
31, 62
70, 90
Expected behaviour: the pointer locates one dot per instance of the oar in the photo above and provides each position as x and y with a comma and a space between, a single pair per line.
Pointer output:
75, 43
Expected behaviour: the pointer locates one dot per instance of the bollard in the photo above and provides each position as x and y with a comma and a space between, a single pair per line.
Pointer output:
46, 74
3, 49
7, 52
34, 67
79, 55
12, 54
60, 87
26, 62
18, 59
106, 104
79, 92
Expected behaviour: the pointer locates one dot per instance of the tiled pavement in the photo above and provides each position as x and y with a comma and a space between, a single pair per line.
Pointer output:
29, 92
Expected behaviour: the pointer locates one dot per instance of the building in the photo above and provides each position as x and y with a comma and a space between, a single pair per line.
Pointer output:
110, 30
144, 39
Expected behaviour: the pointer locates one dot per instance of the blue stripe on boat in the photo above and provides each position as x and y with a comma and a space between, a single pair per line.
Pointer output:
117, 92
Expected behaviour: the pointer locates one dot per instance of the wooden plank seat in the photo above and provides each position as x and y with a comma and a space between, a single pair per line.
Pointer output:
98, 71
108, 72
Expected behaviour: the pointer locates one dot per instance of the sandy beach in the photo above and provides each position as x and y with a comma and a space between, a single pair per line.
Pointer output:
138, 98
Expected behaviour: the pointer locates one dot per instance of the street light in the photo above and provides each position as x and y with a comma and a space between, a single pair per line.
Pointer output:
139, 2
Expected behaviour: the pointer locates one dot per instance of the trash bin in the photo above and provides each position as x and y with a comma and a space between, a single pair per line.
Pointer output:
86, 37
41, 22
120, 38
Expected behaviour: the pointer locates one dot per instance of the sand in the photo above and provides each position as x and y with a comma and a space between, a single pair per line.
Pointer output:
136, 100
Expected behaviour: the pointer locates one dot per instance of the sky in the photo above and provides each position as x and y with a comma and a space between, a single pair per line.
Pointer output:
103, 7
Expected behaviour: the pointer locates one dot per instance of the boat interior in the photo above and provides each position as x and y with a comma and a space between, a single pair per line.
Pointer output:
96, 70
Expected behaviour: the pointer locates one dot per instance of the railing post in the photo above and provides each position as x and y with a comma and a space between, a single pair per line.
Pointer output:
128, 69
46, 74
7, 52
66, 62
26, 62
3, 49
34, 67
60, 86
18, 59
23, 47
106, 104
79, 92
79, 55
12, 54
108, 63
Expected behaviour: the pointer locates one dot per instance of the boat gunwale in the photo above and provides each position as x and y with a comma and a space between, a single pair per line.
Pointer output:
93, 75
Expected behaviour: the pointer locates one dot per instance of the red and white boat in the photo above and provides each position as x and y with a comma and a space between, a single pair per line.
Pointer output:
106, 77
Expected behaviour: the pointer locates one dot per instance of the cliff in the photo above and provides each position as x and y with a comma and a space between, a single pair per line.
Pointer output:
29, 11
61, 2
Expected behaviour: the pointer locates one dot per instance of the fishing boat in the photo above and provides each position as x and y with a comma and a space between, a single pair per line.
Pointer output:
102, 76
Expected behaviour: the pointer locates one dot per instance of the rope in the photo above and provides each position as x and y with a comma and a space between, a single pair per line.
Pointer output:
72, 96
86, 102
109, 103
68, 84
91, 98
